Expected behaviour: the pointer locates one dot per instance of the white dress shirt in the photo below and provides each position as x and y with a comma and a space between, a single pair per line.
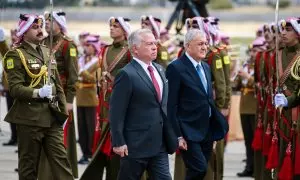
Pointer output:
156, 74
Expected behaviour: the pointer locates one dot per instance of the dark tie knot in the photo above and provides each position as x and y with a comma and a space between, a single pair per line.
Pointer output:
39, 50
150, 68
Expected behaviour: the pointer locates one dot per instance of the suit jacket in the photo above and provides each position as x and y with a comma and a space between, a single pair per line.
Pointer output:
137, 118
188, 103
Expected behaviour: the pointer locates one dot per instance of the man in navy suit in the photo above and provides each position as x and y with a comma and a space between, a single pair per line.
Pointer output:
196, 120
141, 133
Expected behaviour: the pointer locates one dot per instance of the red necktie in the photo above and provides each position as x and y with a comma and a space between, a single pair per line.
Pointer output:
155, 83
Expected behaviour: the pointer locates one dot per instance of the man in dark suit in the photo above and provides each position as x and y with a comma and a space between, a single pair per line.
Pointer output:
196, 120
141, 133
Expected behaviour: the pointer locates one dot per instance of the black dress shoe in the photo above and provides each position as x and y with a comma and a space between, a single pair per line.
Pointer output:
83, 160
245, 173
10, 143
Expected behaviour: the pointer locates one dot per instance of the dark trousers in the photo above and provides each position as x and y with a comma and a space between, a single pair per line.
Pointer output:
156, 166
32, 140
99, 162
13, 127
86, 126
196, 158
248, 126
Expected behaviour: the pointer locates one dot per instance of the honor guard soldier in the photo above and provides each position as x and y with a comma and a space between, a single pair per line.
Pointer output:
263, 123
3, 45
222, 92
171, 43
38, 94
4, 90
86, 95
223, 52
65, 52
287, 130
113, 58
259, 77
153, 23
82, 36
9, 100
245, 82
269, 71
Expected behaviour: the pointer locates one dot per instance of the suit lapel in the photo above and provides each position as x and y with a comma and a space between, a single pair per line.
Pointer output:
164, 81
207, 75
191, 70
32, 51
143, 75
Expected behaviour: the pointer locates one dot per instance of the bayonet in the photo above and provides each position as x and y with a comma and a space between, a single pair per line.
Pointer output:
277, 66
277, 44
51, 43
277, 51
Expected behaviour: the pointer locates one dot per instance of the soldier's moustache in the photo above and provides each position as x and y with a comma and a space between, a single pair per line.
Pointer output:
39, 34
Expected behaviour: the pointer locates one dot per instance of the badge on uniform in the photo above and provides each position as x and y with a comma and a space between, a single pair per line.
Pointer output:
219, 64
31, 61
226, 60
73, 52
53, 61
10, 63
164, 55
35, 66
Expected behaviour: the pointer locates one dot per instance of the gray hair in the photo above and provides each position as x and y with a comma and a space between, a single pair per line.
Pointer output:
191, 34
135, 37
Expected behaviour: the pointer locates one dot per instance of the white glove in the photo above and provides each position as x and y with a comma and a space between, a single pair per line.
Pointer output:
280, 100
45, 91
2, 36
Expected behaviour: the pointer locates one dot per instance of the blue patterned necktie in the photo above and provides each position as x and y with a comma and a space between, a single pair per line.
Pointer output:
200, 72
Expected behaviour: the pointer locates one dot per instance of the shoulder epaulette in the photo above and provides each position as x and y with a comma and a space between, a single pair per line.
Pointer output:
224, 46
15, 46
4, 57
67, 38
220, 47
213, 49
106, 45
